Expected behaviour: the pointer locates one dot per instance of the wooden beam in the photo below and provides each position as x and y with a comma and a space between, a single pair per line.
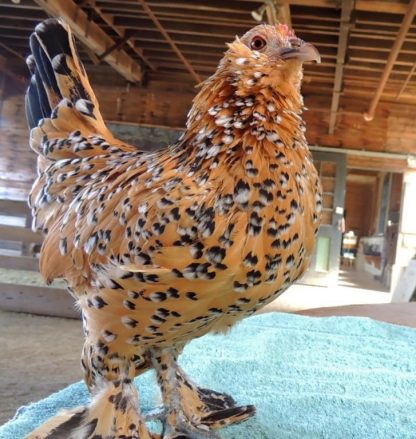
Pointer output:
117, 45
169, 40
407, 80
377, 164
92, 36
169, 18
202, 5
17, 79
391, 7
283, 12
377, 57
14, 208
395, 50
183, 38
276, 11
92, 56
13, 52
20, 234
26, 263
40, 300
345, 24
109, 19
171, 27
127, 10
378, 6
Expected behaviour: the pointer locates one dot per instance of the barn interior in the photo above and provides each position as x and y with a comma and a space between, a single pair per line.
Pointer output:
145, 59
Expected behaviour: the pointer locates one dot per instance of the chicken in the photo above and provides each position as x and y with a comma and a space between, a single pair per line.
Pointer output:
160, 248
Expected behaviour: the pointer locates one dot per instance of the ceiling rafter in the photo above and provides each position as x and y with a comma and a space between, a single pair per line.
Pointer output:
120, 43
200, 29
406, 82
110, 21
283, 12
167, 37
93, 36
4, 70
12, 51
395, 50
344, 29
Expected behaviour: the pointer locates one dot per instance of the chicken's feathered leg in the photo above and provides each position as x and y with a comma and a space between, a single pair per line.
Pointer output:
177, 424
210, 407
113, 413
192, 412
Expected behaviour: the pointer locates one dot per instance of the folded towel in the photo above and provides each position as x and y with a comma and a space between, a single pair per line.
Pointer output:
310, 378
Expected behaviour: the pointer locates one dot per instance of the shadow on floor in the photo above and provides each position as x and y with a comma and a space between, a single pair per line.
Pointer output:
360, 279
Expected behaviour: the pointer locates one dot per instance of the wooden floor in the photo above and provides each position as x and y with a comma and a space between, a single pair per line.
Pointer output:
397, 313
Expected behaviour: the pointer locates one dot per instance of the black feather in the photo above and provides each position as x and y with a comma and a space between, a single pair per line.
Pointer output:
43, 65
54, 37
33, 108
56, 41
51, 51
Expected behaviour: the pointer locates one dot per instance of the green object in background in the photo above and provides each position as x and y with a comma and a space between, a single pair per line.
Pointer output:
322, 253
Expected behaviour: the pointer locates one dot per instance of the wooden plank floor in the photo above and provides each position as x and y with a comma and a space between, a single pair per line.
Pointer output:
397, 313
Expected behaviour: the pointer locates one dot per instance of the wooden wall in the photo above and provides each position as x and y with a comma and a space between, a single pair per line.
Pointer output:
164, 104
18, 161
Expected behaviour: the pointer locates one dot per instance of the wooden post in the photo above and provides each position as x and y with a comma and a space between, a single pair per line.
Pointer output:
406, 242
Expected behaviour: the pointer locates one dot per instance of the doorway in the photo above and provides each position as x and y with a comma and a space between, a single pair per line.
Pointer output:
324, 267
372, 208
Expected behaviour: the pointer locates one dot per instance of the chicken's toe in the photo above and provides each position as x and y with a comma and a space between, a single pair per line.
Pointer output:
185, 430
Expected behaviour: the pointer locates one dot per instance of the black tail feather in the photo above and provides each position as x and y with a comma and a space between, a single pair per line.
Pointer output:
43, 64
33, 106
52, 57
54, 36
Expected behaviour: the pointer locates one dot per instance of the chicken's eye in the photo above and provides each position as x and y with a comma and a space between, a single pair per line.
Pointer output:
258, 43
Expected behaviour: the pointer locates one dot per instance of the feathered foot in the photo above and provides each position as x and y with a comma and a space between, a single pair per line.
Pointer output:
213, 409
113, 413
193, 412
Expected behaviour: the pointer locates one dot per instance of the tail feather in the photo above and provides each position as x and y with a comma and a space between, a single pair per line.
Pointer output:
33, 107
65, 121
57, 41
58, 76
45, 77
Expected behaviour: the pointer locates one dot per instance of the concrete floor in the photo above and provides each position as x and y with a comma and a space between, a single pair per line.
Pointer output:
41, 354
354, 288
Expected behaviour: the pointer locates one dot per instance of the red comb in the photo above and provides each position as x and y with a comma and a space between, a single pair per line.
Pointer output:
285, 30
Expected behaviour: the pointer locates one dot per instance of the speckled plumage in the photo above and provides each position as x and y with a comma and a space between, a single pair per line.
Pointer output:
160, 248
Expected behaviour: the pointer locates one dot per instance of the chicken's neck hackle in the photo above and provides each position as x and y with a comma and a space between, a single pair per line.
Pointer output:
247, 104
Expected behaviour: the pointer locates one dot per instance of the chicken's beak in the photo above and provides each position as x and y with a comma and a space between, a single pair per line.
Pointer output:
305, 52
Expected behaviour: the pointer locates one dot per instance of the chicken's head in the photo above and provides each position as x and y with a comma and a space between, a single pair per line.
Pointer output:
268, 57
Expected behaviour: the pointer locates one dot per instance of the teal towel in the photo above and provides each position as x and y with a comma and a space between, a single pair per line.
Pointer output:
310, 378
